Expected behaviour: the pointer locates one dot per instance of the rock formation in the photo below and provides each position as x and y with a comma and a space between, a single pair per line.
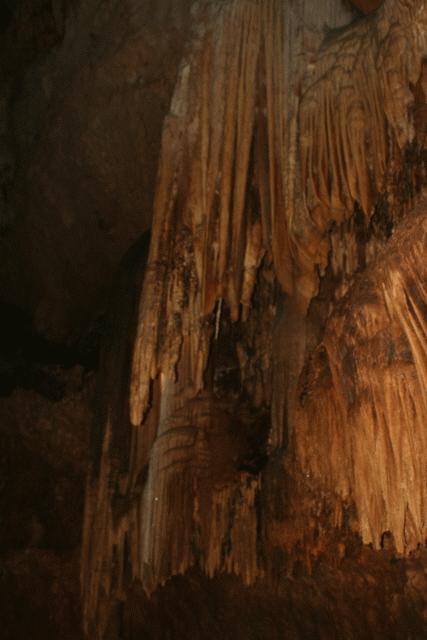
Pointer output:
278, 377
257, 455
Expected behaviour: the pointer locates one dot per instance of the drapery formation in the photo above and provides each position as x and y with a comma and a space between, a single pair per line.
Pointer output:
262, 154
367, 382
269, 143
355, 119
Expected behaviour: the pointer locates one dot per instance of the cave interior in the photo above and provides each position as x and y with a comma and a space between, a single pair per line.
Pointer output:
213, 301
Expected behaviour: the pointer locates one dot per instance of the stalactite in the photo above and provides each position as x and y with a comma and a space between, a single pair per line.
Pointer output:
237, 97
367, 379
355, 116
258, 160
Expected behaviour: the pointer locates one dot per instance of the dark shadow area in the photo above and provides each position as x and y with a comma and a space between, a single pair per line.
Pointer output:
7, 10
30, 361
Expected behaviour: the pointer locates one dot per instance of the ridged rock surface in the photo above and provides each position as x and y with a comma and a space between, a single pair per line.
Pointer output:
264, 375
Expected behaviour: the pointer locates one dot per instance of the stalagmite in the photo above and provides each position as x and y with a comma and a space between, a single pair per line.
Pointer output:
276, 138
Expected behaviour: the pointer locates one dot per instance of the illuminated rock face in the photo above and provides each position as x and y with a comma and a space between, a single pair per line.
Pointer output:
278, 372
363, 394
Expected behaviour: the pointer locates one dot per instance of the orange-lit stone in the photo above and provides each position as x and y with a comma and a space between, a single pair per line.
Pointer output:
367, 6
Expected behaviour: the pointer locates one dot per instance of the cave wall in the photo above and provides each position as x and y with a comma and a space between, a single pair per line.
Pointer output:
44, 444
85, 88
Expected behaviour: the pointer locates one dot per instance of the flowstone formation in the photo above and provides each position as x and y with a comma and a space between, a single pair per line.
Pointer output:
277, 363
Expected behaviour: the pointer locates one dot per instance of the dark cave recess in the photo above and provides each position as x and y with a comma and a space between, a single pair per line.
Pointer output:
7, 10
28, 360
